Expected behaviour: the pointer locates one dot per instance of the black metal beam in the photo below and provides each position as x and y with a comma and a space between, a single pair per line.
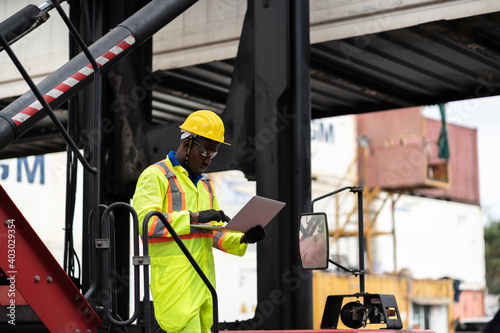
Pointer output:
268, 120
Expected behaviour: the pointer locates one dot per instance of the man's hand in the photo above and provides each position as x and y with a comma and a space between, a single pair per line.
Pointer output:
253, 235
209, 215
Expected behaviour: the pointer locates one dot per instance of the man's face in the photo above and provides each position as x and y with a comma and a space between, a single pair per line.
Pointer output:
201, 146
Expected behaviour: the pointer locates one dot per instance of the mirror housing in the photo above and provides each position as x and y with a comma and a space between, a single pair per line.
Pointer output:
313, 241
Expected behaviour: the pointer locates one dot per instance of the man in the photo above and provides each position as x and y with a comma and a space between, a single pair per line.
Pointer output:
177, 188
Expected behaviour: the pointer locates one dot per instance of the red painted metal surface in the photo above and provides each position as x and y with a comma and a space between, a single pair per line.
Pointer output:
395, 151
470, 305
6, 296
35, 274
464, 165
403, 146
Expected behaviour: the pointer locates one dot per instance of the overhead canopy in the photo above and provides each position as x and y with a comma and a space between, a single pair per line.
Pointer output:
427, 64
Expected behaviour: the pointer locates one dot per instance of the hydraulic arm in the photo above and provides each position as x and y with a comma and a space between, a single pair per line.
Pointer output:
18, 117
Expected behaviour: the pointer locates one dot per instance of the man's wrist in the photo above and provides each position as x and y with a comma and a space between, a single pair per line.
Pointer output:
193, 216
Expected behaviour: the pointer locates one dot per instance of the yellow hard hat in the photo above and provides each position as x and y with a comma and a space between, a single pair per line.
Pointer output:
205, 123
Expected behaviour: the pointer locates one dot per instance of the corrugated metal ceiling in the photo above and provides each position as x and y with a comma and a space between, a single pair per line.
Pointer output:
422, 65
427, 64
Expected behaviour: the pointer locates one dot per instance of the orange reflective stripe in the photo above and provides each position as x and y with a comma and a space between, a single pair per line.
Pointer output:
175, 196
157, 228
208, 186
170, 202
152, 228
161, 168
183, 237
176, 201
217, 242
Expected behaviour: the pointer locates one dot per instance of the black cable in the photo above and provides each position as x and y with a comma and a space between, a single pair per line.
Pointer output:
13, 28
96, 122
70, 255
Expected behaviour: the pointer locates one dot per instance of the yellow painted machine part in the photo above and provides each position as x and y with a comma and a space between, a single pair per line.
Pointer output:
403, 288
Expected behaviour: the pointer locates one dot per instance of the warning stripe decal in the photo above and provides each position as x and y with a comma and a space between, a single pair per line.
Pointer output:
72, 80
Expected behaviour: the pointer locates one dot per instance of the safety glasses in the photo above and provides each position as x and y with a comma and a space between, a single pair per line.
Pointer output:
206, 152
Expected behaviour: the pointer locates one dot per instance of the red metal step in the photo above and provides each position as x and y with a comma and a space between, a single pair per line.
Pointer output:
37, 276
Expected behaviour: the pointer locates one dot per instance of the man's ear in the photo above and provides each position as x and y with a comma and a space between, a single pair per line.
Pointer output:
184, 143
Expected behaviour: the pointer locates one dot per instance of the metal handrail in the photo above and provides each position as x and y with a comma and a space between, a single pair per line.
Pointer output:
188, 255
145, 262
93, 252
106, 267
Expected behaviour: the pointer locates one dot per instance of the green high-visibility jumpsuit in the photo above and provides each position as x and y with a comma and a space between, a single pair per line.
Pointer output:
180, 296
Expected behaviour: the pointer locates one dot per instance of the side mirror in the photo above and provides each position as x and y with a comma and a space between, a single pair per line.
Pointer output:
313, 241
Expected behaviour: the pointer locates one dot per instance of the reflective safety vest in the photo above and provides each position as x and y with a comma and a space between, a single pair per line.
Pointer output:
178, 291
